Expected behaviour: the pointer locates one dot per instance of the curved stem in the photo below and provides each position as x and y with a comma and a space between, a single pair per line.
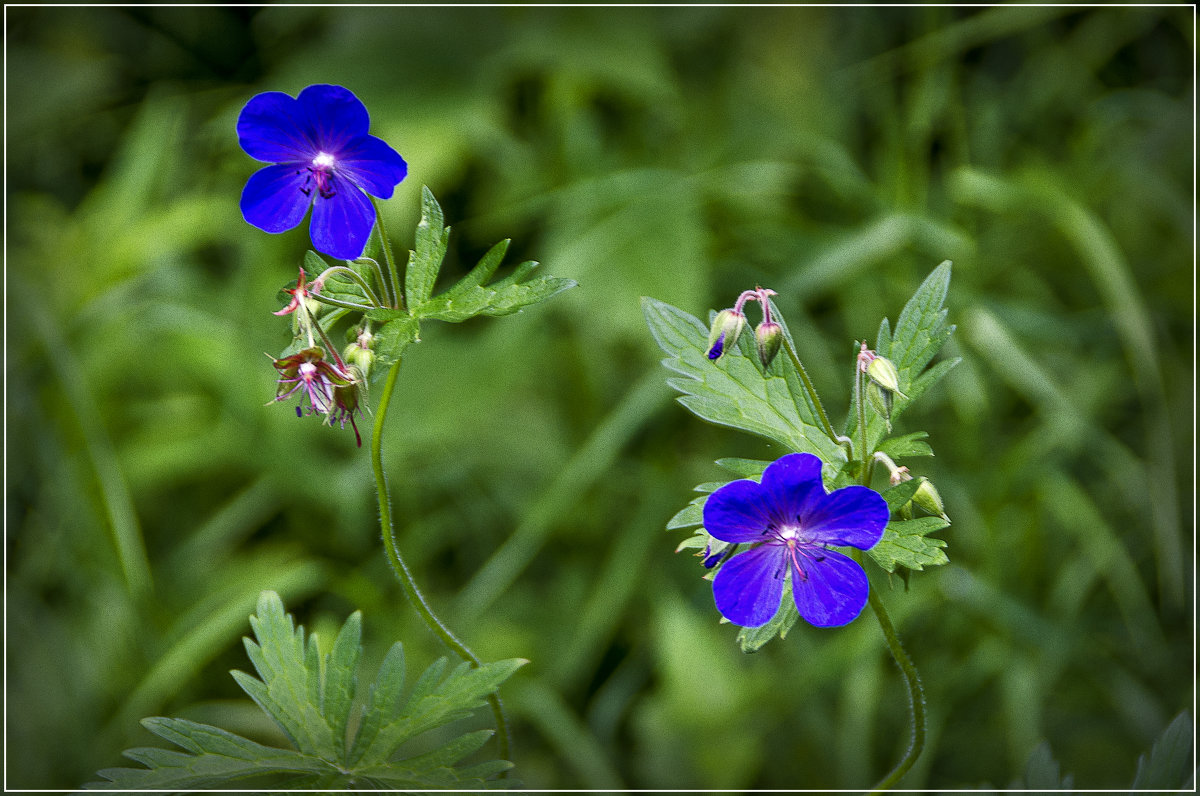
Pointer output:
388, 258
812, 393
916, 695
348, 305
401, 569
355, 277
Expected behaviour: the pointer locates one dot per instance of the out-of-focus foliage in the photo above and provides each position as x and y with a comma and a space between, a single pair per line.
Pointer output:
834, 155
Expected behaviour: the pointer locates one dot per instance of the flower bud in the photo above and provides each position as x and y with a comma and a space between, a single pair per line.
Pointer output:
725, 330
768, 336
881, 399
929, 500
359, 353
883, 372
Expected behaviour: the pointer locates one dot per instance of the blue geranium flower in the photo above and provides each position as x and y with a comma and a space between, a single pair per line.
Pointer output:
792, 521
323, 157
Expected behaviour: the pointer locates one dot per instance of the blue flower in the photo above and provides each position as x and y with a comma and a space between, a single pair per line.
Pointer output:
323, 157
792, 521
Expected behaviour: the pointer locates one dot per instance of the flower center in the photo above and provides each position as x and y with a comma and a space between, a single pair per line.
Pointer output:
320, 172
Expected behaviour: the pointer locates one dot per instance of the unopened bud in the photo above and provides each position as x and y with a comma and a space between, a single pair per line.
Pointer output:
768, 336
928, 499
359, 352
883, 372
881, 399
724, 333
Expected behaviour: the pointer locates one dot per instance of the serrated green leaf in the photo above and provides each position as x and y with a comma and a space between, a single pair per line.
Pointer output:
733, 390
425, 260
284, 671
752, 639
905, 446
341, 677
921, 328
692, 514
905, 543
744, 468
392, 339
217, 757
310, 697
469, 298
896, 496
383, 701
1169, 763
433, 703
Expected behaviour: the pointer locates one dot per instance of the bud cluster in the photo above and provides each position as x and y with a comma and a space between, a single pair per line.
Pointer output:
728, 324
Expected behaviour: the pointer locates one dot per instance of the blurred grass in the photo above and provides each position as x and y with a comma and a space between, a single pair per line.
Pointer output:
835, 155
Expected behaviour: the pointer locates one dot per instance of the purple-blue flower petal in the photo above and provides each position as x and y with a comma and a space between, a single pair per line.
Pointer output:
342, 223
372, 165
748, 587
791, 484
334, 116
833, 590
272, 200
737, 512
273, 128
852, 516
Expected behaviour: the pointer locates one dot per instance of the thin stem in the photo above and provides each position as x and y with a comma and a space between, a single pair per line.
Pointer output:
812, 393
388, 258
349, 305
916, 695
356, 277
383, 281
860, 406
401, 569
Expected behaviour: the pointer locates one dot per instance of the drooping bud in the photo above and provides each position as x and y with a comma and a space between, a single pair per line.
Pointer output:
769, 336
883, 372
724, 333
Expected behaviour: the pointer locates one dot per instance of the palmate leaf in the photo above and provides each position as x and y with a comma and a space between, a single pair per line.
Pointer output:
734, 391
311, 697
905, 543
472, 296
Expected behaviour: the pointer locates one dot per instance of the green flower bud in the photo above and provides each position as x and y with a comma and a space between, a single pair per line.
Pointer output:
884, 373
359, 352
929, 500
725, 330
881, 399
768, 336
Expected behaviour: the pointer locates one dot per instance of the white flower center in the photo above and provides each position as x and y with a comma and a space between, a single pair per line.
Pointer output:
323, 160
789, 533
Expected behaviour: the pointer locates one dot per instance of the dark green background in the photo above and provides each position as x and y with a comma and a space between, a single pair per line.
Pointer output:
834, 155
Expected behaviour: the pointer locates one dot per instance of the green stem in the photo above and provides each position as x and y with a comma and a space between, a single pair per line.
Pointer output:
388, 258
860, 406
916, 695
357, 278
348, 305
812, 393
401, 569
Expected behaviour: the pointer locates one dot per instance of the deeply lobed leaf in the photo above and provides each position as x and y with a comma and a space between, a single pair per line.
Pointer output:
311, 698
